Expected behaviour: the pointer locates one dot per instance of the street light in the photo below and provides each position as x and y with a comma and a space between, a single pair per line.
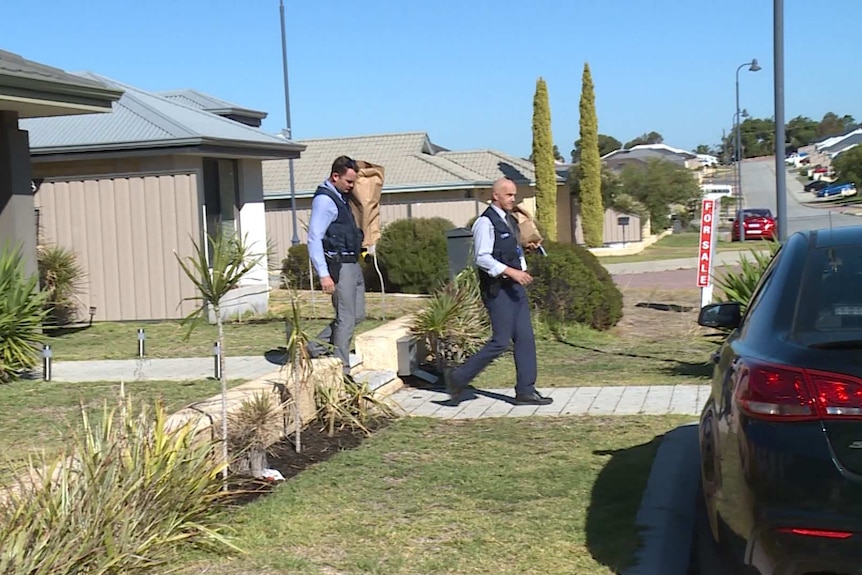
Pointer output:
753, 66
287, 131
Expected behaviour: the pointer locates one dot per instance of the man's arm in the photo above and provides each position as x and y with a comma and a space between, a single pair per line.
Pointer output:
483, 246
323, 213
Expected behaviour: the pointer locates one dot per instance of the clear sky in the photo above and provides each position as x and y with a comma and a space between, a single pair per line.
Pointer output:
462, 70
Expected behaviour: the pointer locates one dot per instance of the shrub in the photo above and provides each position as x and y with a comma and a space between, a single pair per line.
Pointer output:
413, 254
739, 286
22, 312
568, 288
125, 498
454, 324
295, 271
60, 276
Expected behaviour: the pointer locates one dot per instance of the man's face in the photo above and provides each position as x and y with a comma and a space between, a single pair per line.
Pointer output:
345, 182
505, 197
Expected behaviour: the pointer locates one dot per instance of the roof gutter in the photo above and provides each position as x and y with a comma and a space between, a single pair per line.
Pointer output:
285, 149
478, 184
28, 87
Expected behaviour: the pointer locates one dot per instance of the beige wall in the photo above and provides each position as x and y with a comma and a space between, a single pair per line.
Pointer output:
124, 230
613, 233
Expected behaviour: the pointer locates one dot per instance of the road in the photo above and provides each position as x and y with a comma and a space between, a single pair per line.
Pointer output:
758, 188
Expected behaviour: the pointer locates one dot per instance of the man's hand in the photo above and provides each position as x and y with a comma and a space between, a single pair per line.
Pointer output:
327, 285
533, 246
519, 276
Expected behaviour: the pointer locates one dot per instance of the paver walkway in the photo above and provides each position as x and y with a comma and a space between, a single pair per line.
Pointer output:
617, 400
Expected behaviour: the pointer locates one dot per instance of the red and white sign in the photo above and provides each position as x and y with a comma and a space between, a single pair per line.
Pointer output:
707, 237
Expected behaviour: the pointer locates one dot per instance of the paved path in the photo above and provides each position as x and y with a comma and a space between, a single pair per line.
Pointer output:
721, 259
618, 400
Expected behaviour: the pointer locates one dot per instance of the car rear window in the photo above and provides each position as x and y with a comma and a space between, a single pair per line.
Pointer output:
758, 213
829, 307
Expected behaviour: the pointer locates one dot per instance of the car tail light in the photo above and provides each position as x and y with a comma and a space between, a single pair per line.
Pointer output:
817, 532
777, 392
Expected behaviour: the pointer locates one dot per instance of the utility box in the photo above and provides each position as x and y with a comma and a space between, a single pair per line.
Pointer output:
459, 245
677, 225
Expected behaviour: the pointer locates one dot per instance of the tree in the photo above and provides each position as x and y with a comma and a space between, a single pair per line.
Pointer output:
801, 131
658, 185
557, 155
848, 166
607, 144
703, 149
832, 124
650, 138
543, 160
590, 166
231, 260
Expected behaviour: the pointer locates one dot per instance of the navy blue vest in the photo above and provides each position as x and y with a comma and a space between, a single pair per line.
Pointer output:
343, 236
506, 244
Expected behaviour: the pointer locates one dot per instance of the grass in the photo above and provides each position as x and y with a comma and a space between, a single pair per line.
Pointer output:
38, 415
673, 246
255, 336
650, 346
547, 495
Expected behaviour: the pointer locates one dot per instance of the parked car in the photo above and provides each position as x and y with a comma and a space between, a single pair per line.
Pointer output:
781, 431
759, 223
816, 185
843, 190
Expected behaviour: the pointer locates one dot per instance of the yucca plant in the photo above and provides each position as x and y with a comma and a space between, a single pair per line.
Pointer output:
298, 358
454, 323
22, 312
231, 261
125, 498
60, 277
352, 405
251, 430
739, 286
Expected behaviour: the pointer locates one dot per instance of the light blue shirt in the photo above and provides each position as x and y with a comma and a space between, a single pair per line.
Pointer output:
483, 245
323, 213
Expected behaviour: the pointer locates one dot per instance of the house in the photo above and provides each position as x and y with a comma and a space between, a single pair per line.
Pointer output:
641, 154
128, 189
29, 89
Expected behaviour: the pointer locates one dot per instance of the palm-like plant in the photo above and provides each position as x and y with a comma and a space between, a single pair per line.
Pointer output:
22, 312
214, 277
739, 286
299, 359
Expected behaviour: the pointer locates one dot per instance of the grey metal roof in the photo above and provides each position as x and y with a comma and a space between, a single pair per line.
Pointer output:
15, 65
143, 119
410, 160
844, 143
196, 99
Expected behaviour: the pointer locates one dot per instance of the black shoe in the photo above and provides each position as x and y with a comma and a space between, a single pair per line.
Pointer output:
452, 388
534, 398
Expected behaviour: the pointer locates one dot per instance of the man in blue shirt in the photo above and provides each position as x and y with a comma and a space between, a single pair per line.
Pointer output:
503, 275
335, 246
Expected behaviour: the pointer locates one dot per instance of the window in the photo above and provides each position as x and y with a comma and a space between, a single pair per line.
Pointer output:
221, 195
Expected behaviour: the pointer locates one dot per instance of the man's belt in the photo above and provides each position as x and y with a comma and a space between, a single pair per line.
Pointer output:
347, 258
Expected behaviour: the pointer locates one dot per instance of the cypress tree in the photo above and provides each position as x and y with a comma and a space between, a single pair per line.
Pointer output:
543, 159
590, 166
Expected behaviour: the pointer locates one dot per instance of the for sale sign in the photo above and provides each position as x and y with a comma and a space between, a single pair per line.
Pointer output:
707, 237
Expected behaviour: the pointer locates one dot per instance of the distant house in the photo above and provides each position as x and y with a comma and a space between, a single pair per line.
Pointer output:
641, 154
848, 142
127, 189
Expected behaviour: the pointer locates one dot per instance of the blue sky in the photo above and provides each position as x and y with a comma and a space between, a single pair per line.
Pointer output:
464, 71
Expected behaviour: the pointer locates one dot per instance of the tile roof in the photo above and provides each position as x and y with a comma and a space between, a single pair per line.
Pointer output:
143, 119
410, 160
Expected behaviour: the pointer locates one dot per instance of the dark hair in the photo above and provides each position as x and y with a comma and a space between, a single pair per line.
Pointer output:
342, 164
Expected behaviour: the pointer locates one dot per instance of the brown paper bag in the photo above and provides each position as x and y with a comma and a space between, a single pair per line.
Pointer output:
365, 201
526, 225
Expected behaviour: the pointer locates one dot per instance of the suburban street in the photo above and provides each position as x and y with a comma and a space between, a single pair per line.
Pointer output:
758, 187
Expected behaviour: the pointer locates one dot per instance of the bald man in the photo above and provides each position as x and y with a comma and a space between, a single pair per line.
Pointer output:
503, 275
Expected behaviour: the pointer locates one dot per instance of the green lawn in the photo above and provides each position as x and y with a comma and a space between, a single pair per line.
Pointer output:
673, 246
550, 496
38, 415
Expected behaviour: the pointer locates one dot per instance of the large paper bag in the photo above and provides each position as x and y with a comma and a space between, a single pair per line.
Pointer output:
526, 225
365, 201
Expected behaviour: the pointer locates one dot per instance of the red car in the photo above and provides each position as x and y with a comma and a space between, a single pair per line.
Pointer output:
758, 223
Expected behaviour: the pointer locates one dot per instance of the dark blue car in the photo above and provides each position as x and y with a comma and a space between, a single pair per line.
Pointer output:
781, 433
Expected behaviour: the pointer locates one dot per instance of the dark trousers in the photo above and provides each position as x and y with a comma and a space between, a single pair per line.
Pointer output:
510, 322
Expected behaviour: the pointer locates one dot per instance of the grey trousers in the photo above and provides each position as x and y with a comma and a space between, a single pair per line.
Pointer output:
349, 303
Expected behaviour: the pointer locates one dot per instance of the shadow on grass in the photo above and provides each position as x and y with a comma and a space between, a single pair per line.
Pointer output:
611, 530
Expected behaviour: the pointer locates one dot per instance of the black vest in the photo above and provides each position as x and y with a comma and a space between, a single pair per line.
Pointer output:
506, 243
343, 236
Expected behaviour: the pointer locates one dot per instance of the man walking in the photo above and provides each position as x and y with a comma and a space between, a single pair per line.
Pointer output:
502, 277
334, 246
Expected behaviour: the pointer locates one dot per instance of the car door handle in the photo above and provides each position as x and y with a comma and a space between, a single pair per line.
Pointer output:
715, 356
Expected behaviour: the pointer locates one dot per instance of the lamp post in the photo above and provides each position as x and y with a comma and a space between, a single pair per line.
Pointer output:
780, 169
753, 66
287, 131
